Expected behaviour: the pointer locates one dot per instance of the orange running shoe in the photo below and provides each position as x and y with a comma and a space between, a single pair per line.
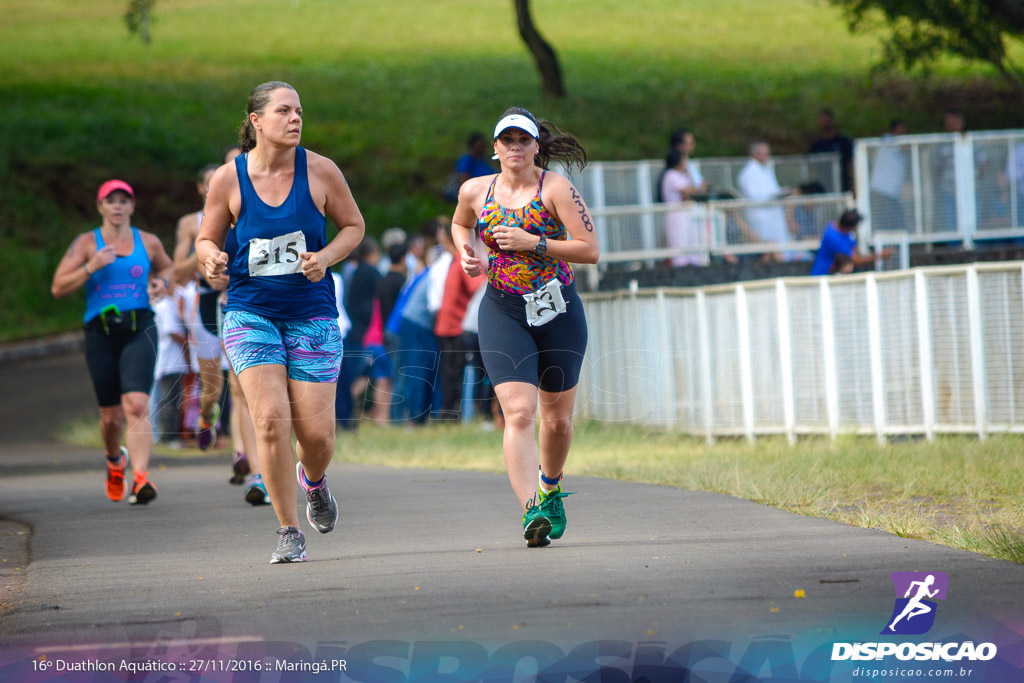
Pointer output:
143, 490
115, 476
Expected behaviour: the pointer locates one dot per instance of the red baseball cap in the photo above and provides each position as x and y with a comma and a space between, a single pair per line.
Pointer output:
111, 185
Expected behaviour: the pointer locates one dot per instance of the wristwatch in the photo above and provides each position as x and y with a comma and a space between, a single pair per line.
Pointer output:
541, 247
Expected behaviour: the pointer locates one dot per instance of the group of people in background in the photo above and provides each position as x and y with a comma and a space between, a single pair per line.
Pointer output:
480, 309
411, 343
680, 181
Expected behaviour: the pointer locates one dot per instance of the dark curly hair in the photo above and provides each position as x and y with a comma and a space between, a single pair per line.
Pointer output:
554, 144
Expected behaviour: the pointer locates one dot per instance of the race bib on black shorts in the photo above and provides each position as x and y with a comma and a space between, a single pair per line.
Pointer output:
545, 304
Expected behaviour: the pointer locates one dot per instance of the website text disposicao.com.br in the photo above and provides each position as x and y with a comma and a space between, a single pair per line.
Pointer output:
902, 673
952, 655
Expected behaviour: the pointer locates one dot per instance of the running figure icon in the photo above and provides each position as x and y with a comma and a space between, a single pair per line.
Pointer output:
915, 606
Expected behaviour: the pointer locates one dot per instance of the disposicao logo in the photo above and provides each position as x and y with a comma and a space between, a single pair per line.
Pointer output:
914, 611
914, 614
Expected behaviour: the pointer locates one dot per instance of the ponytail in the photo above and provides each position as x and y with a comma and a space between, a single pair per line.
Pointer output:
246, 136
553, 143
258, 100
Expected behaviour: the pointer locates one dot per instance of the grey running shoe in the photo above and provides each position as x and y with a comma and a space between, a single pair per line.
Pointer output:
321, 508
290, 548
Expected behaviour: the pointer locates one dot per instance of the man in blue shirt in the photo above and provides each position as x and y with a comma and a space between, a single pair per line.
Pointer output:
472, 164
840, 237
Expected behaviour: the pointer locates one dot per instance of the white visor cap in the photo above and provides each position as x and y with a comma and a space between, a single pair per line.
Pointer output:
516, 121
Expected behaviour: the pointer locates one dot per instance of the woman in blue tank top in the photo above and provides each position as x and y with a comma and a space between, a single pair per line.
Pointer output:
281, 321
115, 263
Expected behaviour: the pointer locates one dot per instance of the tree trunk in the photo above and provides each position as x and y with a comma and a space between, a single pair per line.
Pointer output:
543, 53
144, 25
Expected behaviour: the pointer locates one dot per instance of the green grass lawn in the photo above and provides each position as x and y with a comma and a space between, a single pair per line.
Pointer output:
391, 89
956, 491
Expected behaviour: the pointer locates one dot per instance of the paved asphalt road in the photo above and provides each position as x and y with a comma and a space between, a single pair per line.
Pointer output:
428, 570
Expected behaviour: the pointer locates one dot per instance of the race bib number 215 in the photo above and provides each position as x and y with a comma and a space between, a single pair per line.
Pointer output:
276, 256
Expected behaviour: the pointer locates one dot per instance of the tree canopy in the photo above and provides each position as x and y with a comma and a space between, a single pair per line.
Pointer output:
923, 30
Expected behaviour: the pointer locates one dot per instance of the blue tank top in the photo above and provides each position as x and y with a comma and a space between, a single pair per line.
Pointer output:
123, 283
257, 284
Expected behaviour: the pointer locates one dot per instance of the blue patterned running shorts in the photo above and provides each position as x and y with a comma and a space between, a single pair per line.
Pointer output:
310, 349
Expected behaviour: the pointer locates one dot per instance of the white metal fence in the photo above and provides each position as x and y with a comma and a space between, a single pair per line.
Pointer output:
628, 183
927, 351
942, 188
690, 233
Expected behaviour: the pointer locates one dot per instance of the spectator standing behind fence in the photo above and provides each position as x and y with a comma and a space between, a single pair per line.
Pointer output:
986, 188
684, 141
831, 139
451, 341
757, 181
944, 169
888, 176
840, 237
681, 230
1012, 180
842, 264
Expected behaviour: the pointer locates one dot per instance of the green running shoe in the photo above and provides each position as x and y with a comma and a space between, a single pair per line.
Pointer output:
536, 526
552, 508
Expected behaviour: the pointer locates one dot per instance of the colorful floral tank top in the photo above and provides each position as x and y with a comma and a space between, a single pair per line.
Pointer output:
519, 272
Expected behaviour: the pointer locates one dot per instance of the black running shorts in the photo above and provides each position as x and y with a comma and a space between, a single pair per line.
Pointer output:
121, 363
549, 357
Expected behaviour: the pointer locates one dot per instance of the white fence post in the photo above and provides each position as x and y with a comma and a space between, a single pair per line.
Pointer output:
966, 214
668, 356
597, 202
875, 347
785, 360
705, 366
915, 178
977, 351
746, 371
862, 181
828, 343
644, 185
924, 354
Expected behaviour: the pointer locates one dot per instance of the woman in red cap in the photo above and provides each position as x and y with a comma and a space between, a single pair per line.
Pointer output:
115, 263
